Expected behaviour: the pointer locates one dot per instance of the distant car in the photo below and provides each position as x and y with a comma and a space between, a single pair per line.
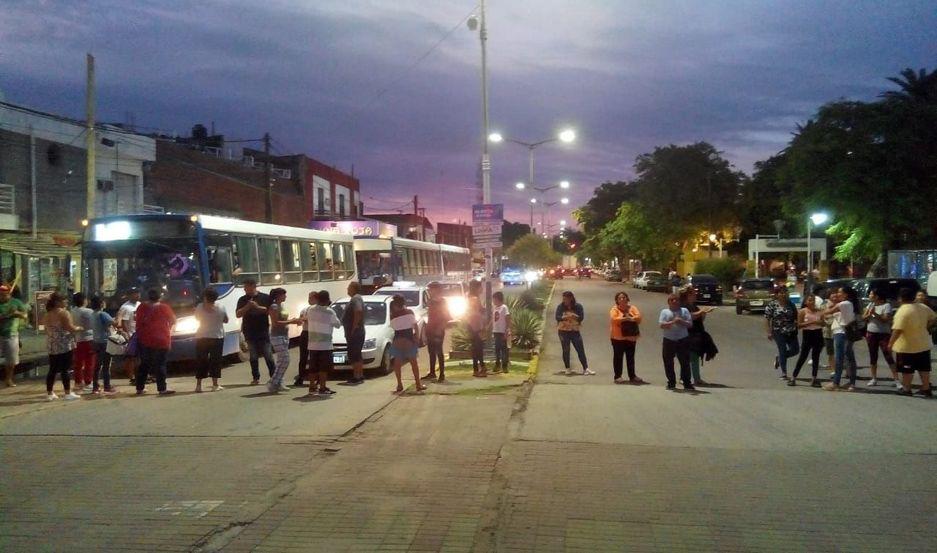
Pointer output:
709, 290
584, 272
613, 275
377, 334
512, 277
657, 283
753, 294
640, 281
556, 273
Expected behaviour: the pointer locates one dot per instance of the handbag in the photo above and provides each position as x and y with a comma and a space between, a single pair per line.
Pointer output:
853, 333
116, 344
629, 328
133, 346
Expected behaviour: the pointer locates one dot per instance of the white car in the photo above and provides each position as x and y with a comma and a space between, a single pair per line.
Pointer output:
640, 281
454, 292
415, 296
378, 334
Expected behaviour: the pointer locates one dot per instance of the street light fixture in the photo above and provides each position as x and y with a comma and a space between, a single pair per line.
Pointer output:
520, 186
564, 184
815, 219
564, 201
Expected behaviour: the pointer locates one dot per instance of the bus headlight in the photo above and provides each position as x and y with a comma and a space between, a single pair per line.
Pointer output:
186, 325
457, 306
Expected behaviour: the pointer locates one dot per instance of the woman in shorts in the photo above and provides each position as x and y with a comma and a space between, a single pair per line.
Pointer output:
404, 346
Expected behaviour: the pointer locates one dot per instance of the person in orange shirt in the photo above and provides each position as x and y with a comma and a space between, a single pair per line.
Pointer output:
624, 321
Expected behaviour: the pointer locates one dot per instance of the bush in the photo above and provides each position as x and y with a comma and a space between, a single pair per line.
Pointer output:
527, 300
461, 339
727, 270
525, 329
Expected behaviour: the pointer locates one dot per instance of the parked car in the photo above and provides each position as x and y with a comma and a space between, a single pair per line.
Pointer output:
640, 281
753, 294
886, 288
708, 287
512, 277
657, 283
377, 334
613, 275
415, 296
456, 300
824, 289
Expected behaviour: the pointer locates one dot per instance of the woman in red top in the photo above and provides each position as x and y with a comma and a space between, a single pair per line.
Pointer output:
624, 319
154, 321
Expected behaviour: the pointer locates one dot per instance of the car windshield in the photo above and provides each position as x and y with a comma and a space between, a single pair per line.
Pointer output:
412, 297
757, 285
375, 313
703, 278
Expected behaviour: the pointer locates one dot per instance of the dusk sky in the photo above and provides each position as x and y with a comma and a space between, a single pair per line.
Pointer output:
346, 81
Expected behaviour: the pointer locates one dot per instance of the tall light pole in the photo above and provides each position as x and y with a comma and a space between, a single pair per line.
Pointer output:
543, 190
480, 24
566, 136
547, 205
817, 219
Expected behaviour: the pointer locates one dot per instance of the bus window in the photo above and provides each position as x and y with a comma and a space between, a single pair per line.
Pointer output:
326, 263
269, 261
220, 257
349, 260
310, 264
292, 266
342, 264
245, 258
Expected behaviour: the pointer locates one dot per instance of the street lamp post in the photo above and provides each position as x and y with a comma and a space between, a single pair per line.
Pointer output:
817, 219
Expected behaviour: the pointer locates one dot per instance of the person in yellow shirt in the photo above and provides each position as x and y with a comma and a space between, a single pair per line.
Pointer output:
624, 319
911, 342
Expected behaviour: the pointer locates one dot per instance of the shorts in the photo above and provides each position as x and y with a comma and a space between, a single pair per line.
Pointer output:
403, 354
908, 363
830, 348
355, 345
320, 360
10, 350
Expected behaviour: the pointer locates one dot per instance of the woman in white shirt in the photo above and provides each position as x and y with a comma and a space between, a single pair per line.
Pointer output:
877, 317
404, 346
843, 311
209, 339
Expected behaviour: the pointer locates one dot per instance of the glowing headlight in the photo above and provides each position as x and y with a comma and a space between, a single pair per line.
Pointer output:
457, 306
531, 276
186, 325
370, 343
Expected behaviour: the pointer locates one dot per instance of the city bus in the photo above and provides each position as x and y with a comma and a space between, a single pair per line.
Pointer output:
383, 261
182, 254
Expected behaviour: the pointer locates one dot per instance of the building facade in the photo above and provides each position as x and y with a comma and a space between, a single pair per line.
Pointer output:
454, 234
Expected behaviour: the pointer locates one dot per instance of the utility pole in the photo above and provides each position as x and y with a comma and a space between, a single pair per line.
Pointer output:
267, 184
416, 205
90, 180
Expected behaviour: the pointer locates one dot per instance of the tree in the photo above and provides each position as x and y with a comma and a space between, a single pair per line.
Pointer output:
510, 232
762, 199
916, 87
533, 251
602, 207
634, 234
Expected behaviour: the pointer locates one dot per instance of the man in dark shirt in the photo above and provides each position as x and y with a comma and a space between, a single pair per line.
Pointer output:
353, 323
255, 325
438, 317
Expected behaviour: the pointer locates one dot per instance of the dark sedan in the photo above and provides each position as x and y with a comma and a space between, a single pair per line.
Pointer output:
708, 287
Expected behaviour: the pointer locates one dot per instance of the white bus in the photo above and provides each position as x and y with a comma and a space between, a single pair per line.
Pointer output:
383, 261
183, 254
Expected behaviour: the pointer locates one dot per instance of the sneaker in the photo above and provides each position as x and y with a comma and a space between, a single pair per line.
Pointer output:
925, 393
283, 387
832, 374
689, 387
70, 396
783, 376
872, 382
620, 380
814, 383
831, 387
109, 391
898, 385
272, 389
167, 392
298, 384
88, 388
52, 397
217, 388
671, 386
570, 372
792, 382
636, 380
903, 392
141, 392
255, 382
587, 372
849, 388
326, 392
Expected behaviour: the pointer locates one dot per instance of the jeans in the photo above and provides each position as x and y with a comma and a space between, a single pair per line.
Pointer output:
208, 357
573, 337
59, 364
787, 347
876, 341
257, 347
478, 350
303, 356
681, 350
434, 346
694, 366
843, 353
103, 365
501, 350
813, 346
623, 349
152, 362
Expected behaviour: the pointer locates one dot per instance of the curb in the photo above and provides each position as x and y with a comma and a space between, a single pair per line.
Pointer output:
534, 367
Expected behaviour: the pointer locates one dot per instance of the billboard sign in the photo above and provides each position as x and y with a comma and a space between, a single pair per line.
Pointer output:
368, 227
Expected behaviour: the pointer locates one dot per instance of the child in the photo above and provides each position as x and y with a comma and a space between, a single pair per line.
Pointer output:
101, 325
501, 328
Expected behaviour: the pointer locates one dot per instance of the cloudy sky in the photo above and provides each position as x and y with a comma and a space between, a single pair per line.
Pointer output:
391, 87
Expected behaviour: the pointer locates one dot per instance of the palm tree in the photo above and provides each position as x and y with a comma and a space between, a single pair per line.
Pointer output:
920, 86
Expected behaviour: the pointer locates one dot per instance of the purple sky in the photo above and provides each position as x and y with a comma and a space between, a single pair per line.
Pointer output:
341, 81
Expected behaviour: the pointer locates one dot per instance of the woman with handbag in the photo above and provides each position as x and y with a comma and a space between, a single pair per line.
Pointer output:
404, 346
569, 316
624, 326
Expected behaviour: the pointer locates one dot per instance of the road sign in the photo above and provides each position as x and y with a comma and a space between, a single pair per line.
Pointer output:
486, 243
488, 213
486, 229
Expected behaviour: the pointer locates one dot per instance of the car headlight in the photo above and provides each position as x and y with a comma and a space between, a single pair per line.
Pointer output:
531, 276
370, 343
186, 325
457, 306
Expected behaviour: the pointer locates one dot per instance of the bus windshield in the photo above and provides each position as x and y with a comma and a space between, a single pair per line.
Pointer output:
373, 264
170, 264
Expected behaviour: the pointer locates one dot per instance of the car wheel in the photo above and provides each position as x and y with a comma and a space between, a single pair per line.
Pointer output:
386, 367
